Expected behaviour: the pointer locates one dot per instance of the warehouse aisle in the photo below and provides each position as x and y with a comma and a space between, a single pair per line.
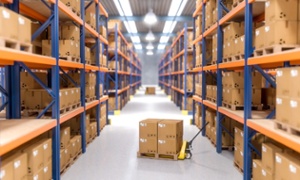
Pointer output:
113, 154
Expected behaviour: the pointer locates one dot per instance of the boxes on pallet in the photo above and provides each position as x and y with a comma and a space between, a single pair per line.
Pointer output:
112, 23
256, 169
236, 80
148, 133
65, 135
150, 90
235, 97
67, 48
70, 32
14, 167
24, 29
211, 117
233, 30
239, 46
112, 103
37, 174
170, 134
90, 16
8, 19
260, 34
35, 157
276, 10
268, 156
239, 137
28, 82
287, 166
239, 157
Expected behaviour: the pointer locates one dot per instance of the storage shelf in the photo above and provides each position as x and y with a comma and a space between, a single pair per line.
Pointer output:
177, 73
177, 38
178, 55
134, 84
168, 85
67, 116
178, 90
14, 133
266, 127
198, 9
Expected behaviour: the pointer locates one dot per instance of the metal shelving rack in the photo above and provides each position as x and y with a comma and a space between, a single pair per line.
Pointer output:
130, 61
48, 13
176, 79
253, 121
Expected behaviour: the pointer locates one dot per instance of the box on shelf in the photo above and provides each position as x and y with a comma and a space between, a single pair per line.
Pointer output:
112, 23
256, 169
234, 96
260, 34
70, 32
112, 103
35, 157
287, 166
276, 10
48, 170
24, 29
62, 158
9, 20
27, 81
268, 156
113, 65
239, 138
239, 157
189, 82
90, 16
65, 135
37, 174
67, 48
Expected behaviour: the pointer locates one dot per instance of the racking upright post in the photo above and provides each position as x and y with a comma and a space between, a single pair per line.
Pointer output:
203, 43
131, 71
219, 79
248, 89
194, 63
98, 74
116, 68
185, 43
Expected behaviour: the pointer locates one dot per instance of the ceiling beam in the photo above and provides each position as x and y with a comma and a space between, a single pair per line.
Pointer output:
159, 18
143, 34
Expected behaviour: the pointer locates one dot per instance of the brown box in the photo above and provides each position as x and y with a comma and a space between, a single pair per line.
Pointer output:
66, 48
35, 157
47, 147
48, 171
8, 19
62, 159
256, 169
266, 175
260, 34
277, 10
283, 110
111, 24
7, 170
24, 29
18, 163
113, 65
236, 80
70, 32
73, 145
275, 33
39, 174
27, 81
169, 146
87, 51
238, 138
235, 96
150, 90
239, 157
170, 128
189, 82
148, 145
90, 16
64, 137
66, 154
268, 156
148, 128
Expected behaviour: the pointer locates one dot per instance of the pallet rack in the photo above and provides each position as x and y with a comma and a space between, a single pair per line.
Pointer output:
173, 71
126, 76
253, 121
21, 131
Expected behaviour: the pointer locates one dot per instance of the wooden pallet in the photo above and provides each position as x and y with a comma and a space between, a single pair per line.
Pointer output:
229, 148
89, 99
88, 62
35, 112
274, 49
287, 128
238, 168
15, 44
235, 107
66, 167
157, 156
70, 58
238, 57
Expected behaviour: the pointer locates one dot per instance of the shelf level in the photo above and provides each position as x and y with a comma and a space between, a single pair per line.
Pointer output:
266, 127
14, 133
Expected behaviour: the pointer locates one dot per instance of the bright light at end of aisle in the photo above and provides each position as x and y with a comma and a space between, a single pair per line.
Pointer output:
150, 36
161, 46
138, 46
150, 18
149, 46
149, 53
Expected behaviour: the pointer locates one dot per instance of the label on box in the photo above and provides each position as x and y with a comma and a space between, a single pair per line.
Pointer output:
254, 165
143, 140
161, 141
66, 132
263, 172
267, 28
17, 164
267, 4
293, 169
21, 20
35, 153
73, 144
2, 174
161, 125
257, 32
278, 159
45, 146
293, 104
36, 177
264, 149
278, 100
66, 151
45, 169
279, 73
294, 73
242, 154
6, 14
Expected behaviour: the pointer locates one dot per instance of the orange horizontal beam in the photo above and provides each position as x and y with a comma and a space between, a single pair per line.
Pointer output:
210, 68
232, 13
232, 115
6, 1
210, 104
210, 30
102, 39
70, 115
104, 98
102, 10
266, 127
92, 104
233, 64
177, 72
178, 90
31, 13
91, 68
69, 64
197, 98
198, 10
178, 55
103, 69
198, 39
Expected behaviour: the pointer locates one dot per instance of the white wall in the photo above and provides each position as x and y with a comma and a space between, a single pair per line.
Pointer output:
150, 68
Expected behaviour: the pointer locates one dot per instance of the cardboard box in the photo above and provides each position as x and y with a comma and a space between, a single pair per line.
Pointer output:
268, 156
48, 171
66, 154
14, 166
275, 33
67, 48
36, 175
148, 128
27, 81
7, 170
239, 157
73, 146
236, 80
24, 29
112, 23
8, 19
256, 169
283, 110
47, 147
189, 82
266, 175
70, 32
64, 137
35, 157
113, 65
148, 145
62, 158
287, 166
87, 51
169, 146
276, 10
90, 16
239, 138
150, 90
233, 96
260, 34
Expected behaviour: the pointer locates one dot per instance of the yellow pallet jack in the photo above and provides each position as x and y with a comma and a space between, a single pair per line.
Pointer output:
185, 152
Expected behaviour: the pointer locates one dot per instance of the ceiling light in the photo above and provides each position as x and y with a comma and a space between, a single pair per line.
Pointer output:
176, 7
149, 46
138, 46
164, 39
135, 39
150, 36
161, 46
150, 18
149, 53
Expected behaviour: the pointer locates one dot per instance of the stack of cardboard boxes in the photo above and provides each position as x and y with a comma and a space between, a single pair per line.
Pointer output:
31, 161
112, 103
232, 44
17, 30
150, 90
162, 137
287, 99
189, 104
233, 89
74, 5
198, 115
281, 18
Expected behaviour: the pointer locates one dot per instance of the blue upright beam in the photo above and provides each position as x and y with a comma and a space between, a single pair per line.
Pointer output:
203, 109
185, 44
97, 51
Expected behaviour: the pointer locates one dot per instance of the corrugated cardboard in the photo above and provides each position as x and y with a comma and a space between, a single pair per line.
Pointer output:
47, 147
27, 81
37, 175
238, 138
266, 175
148, 128
48, 171
150, 90
64, 137
239, 157
24, 29
148, 145
283, 110
62, 158
268, 156
19, 163
260, 37
256, 169
70, 32
7, 170
35, 156
170, 129
277, 10
66, 154
8, 19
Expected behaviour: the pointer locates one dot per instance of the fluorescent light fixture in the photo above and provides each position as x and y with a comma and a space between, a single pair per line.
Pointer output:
175, 8
150, 46
164, 39
169, 26
150, 36
150, 18
119, 7
135, 39
181, 7
138, 46
125, 6
161, 46
130, 26
149, 53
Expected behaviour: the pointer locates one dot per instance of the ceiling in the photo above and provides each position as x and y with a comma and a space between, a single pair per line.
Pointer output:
160, 8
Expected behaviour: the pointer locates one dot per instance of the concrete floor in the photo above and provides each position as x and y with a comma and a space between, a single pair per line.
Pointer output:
113, 155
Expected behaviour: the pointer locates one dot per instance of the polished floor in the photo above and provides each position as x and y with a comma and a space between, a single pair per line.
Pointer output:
113, 155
